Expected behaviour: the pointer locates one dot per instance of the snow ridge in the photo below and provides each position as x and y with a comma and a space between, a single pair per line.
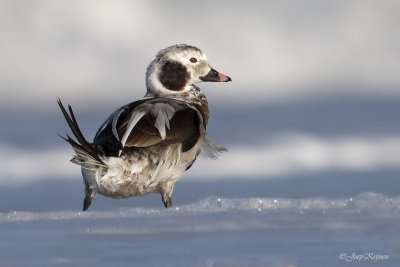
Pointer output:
365, 202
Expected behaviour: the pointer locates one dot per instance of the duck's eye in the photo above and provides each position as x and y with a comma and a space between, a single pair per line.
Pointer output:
193, 60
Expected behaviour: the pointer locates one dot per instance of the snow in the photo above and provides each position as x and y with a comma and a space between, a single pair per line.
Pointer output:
312, 173
286, 154
87, 51
291, 191
213, 231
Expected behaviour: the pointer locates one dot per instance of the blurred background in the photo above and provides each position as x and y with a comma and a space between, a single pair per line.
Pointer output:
312, 110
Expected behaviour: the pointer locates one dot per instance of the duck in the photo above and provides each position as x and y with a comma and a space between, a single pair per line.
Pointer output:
146, 146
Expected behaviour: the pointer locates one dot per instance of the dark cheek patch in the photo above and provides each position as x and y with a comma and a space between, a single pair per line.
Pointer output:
173, 75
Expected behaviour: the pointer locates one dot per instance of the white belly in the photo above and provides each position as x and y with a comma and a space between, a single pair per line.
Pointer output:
140, 171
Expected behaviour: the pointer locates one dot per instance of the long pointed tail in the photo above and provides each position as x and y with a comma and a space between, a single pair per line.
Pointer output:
86, 154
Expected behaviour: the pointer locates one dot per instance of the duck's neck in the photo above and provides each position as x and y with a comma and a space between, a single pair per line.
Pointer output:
191, 94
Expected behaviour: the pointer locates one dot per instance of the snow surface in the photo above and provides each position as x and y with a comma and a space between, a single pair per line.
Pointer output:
213, 231
309, 163
286, 154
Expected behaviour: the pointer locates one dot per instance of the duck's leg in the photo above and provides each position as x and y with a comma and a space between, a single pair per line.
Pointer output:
86, 202
166, 189
88, 197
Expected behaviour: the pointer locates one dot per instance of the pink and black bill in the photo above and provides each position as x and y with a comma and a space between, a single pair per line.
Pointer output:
215, 76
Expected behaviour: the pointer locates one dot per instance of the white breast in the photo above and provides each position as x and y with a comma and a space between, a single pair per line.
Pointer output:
140, 171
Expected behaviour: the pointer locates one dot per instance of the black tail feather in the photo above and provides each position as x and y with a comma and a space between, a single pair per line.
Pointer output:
83, 144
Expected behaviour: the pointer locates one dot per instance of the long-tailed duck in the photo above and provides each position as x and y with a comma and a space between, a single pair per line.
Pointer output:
146, 146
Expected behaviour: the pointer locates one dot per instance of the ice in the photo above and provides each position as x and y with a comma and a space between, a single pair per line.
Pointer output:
213, 231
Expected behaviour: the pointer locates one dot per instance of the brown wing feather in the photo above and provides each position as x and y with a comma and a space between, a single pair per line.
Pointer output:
144, 133
184, 128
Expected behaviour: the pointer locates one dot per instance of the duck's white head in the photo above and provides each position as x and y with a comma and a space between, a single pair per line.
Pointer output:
177, 68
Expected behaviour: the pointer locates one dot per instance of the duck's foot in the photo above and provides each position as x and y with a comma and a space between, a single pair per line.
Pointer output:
166, 189
86, 202
167, 202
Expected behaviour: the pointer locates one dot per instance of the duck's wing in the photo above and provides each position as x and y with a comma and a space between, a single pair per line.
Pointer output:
149, 122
